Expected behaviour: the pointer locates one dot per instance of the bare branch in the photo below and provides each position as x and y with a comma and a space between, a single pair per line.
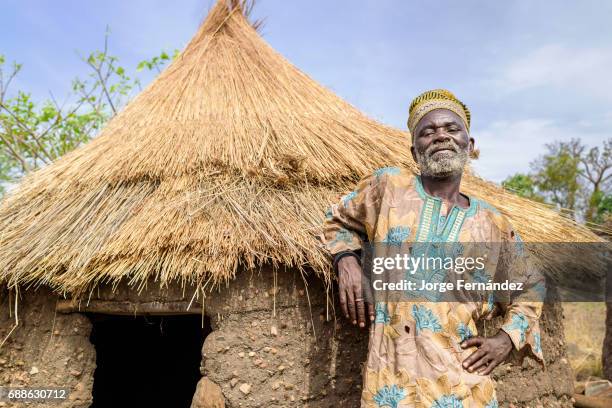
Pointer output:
4, 86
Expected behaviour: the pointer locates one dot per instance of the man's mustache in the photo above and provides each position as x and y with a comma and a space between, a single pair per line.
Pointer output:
449, 145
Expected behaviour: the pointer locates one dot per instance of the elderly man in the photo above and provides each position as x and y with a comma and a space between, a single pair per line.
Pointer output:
424, 352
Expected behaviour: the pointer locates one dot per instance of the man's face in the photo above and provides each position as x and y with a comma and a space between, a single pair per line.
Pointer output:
441, 145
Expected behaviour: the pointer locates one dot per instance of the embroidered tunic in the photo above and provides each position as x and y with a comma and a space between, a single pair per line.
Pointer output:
414, 353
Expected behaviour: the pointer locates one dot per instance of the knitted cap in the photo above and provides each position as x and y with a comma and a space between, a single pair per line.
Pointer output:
436, 99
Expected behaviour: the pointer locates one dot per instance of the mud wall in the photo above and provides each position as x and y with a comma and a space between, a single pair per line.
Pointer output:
271, 345
46, 349
530, 386
299, 359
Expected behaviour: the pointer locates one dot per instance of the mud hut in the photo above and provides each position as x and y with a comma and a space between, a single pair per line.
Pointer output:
179, 247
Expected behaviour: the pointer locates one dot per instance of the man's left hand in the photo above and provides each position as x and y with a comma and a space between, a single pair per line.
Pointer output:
491, 352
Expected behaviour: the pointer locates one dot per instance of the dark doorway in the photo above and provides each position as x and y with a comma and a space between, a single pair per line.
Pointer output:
146, 361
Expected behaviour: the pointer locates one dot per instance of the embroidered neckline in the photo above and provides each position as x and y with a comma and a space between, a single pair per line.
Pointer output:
434, 233
424, 194
430, 226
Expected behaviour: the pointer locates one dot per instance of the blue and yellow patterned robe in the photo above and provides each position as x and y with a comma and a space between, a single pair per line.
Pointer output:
414, 356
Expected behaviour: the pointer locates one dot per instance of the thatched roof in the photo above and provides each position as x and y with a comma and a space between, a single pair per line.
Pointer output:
228, 158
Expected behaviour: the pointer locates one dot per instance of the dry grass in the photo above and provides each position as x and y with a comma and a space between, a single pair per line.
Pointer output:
229, 158
584, 324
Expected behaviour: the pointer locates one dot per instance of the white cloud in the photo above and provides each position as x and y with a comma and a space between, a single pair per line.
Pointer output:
583, 68
509, 147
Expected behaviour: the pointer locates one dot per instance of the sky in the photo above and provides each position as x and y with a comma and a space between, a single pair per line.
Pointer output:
531, 72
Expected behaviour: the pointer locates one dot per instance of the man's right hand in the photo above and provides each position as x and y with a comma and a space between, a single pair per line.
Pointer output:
351, 293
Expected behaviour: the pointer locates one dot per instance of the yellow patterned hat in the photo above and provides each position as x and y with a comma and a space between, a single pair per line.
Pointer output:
436, 99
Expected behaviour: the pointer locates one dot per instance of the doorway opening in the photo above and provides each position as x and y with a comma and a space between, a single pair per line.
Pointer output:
147, 361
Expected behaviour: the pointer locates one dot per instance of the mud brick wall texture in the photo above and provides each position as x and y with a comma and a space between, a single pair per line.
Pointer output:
47, 349
271, 346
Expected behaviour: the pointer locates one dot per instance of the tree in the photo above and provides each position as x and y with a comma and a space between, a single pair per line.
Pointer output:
34, 134
556, 174
522, 185
157, 62
598, 172
572, 177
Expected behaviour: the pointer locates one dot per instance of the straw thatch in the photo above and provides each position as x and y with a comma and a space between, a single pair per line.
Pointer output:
228, 158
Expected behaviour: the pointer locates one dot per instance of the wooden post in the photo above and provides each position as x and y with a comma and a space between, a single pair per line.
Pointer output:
128, 308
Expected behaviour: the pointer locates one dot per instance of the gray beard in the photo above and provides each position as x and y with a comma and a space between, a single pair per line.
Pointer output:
443, 165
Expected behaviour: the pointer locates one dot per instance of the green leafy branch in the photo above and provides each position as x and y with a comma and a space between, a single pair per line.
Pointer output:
34, 134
